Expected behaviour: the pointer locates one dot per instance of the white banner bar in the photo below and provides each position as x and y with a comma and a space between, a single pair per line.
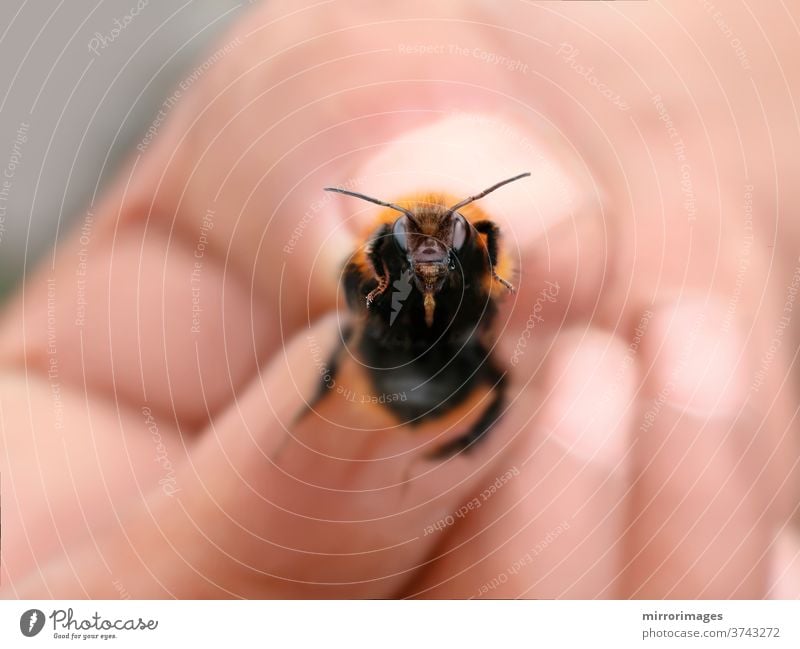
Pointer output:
401, 624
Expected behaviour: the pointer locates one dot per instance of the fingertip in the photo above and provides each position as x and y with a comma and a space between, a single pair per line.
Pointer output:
589, 386
784, 575
696, 357
462, 154
264, 411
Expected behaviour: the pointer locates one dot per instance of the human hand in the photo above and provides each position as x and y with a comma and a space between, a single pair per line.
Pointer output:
265, 508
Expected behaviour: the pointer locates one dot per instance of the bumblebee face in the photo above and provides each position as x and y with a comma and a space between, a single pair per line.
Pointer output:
430, 237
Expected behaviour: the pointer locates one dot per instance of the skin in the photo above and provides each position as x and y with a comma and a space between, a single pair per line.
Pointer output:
647, 464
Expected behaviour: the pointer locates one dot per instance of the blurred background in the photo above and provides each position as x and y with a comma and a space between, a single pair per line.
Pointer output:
80, 84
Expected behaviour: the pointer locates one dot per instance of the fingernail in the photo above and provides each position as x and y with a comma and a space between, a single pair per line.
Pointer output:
696, 358
463, 153
784, 577
591, 378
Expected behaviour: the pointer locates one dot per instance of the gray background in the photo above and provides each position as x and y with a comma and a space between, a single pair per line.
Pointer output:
84, 110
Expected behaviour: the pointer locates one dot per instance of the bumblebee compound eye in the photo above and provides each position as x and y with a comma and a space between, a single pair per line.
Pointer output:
460, 231
399, 232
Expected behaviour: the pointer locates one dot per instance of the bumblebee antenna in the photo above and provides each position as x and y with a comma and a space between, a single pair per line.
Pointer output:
364, 197
469, 200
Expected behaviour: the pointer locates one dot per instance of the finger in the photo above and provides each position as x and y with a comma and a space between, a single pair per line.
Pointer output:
351, 494
785, 568
130, 313
697, 523
547, 221
269, 506
68, 466
554, 530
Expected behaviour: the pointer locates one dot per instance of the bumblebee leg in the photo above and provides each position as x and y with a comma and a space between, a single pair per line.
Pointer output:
383, 284
377, 261
477, 433
492, 233
504, 282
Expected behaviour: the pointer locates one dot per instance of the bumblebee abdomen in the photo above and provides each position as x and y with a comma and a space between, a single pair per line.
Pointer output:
369, 385
430, 381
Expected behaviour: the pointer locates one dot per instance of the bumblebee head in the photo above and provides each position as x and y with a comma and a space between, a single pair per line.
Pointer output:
430, 235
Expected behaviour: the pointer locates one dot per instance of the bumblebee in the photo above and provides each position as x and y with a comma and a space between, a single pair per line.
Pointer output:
424, 291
